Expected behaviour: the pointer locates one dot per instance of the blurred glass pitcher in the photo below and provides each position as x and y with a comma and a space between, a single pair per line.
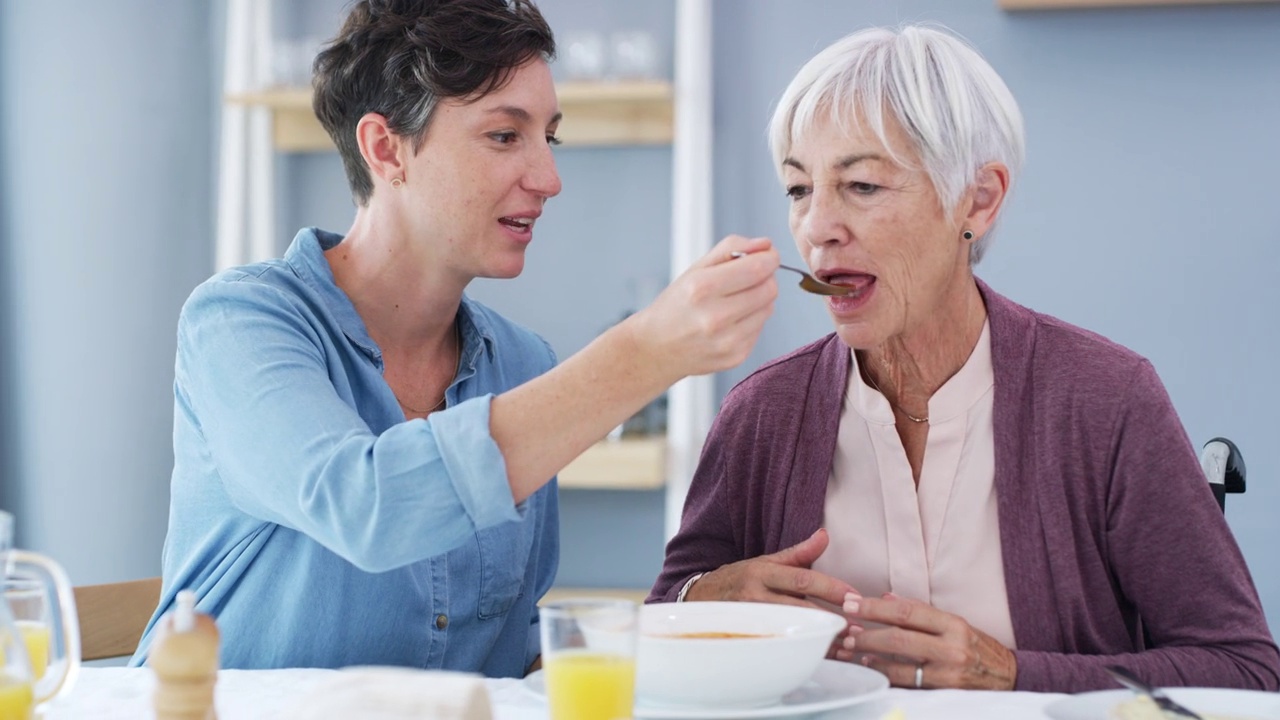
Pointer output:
39, 629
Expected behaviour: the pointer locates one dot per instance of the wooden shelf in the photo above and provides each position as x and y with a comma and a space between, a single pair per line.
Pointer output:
595, 114
1065, 4
630, 113
294, 127
626, 464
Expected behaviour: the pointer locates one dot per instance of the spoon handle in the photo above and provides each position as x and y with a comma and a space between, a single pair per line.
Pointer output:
808, 283
1134, 683
736, 254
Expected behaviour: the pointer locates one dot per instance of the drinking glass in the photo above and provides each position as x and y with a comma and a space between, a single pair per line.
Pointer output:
584, 56
16, 683
634, 55
589, 658
29, 605
40, 614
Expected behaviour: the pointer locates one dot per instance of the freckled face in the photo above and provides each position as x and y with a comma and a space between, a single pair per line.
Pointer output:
488, 171
862, 220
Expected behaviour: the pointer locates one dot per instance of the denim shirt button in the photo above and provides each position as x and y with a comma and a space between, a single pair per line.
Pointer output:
442, 622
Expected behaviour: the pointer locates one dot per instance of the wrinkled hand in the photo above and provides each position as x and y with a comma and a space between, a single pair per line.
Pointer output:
954, 653
709, 318
784, 578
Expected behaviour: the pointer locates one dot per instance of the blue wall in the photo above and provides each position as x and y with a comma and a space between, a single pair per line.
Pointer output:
107, 225
8, 386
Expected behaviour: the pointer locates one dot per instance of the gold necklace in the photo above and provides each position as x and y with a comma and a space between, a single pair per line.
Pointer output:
457, 334
910, 417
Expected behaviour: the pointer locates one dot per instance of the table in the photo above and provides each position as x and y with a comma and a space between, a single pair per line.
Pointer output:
125, 694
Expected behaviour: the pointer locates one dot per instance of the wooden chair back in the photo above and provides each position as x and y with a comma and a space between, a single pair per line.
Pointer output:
113, 616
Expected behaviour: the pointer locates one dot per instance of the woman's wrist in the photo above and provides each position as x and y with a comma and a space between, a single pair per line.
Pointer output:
688, 584
644, 349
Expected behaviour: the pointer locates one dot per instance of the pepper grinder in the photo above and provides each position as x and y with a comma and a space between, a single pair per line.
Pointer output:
184, 657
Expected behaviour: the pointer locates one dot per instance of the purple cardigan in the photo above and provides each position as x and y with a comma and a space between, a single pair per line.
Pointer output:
1114, 550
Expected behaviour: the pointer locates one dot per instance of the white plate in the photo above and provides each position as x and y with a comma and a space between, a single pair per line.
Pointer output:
834, 685
1252, 704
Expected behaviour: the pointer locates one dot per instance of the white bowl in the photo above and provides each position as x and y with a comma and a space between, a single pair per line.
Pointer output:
674, 667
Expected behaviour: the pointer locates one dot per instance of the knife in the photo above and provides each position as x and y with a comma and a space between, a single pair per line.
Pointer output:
1164, 702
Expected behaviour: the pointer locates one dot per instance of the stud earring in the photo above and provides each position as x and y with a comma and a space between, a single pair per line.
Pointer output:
397, 183
967, 234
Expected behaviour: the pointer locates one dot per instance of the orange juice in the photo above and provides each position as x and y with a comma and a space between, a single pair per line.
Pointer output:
15, 699
36, 636
590, 686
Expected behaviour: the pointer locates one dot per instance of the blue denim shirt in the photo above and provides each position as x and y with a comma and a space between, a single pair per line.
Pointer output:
312, 521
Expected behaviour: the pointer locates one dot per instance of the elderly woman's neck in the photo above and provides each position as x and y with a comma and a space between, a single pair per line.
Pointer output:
908, 369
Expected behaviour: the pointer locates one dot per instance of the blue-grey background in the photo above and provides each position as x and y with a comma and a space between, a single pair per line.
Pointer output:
1146, 212
106, 209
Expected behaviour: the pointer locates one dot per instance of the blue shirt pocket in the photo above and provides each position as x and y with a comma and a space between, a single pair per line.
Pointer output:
504, 561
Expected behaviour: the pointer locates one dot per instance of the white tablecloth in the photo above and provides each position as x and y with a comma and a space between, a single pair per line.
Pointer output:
125, 694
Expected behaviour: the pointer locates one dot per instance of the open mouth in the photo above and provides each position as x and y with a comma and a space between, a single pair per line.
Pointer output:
857, 282
520, 224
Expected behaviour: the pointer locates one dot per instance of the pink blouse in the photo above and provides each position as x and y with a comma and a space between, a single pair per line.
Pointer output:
939, 543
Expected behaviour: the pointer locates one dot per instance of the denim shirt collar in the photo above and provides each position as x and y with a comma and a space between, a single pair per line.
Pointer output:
306, 256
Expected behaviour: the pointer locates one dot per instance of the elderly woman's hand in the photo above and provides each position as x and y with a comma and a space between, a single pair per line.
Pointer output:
783, 577
949, 652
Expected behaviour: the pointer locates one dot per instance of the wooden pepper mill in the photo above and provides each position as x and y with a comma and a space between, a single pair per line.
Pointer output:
184, 657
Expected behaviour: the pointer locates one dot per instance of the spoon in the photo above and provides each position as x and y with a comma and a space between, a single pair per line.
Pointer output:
1164, 702
808, 282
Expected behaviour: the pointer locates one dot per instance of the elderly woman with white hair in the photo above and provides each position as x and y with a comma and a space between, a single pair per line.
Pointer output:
996, 499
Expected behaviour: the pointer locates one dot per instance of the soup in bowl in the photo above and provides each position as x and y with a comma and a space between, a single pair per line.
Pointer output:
728, 654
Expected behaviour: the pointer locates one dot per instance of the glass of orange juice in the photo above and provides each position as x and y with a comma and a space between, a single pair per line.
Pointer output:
29, 604
589, 658
17, 687
15, 698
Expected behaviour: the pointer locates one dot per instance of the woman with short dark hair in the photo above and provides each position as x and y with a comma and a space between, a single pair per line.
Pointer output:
365, 457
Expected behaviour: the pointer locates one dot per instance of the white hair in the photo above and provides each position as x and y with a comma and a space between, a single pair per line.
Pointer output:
957, 112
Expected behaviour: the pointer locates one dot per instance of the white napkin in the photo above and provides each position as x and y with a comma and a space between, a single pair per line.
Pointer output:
394, 693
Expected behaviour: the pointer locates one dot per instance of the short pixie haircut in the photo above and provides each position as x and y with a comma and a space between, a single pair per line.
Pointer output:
400, 58
957, 112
